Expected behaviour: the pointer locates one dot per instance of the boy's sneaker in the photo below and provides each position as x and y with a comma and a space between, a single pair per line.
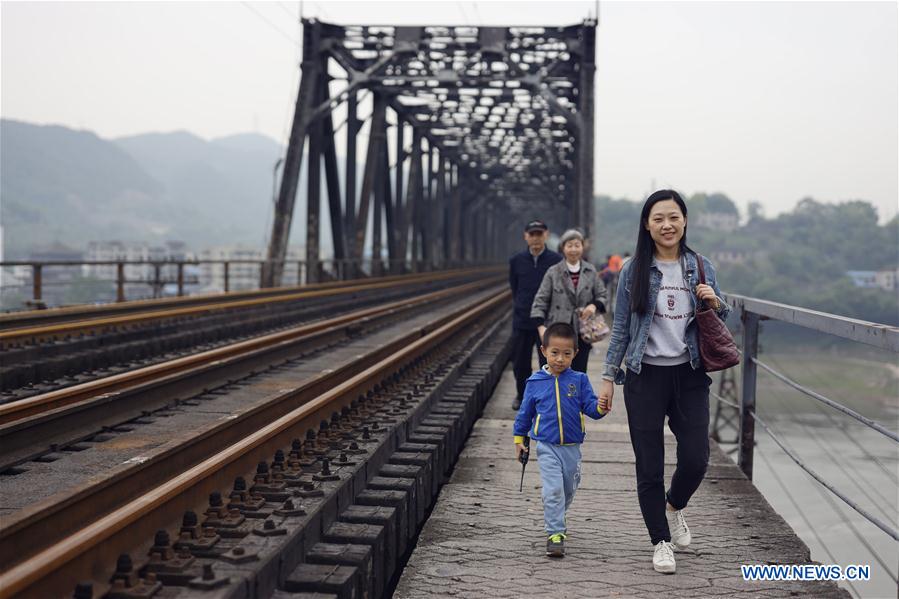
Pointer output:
680, 534
663, 558
555, 545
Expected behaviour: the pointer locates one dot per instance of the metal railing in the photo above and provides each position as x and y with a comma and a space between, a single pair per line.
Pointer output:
752, 311
227, 275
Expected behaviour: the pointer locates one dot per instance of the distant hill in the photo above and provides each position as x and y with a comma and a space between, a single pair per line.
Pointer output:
62, 185
227, 181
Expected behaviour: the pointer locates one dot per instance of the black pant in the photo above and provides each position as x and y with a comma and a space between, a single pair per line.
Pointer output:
583, 353
523, 343
682, 394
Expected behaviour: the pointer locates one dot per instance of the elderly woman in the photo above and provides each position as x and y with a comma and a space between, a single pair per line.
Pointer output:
570, 291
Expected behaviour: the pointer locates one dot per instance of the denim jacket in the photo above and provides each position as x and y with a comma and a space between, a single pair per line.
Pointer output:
630, 331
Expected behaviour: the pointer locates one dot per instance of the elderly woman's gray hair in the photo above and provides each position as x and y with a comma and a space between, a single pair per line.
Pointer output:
569, 235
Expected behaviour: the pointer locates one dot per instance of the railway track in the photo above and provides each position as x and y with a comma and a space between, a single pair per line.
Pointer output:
20, 321
150, 494
82, 343
51, 418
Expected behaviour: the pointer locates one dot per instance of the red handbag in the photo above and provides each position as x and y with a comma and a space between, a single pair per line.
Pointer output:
716, 344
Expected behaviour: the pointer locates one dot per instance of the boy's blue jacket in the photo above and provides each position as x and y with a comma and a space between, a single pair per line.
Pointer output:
553, 409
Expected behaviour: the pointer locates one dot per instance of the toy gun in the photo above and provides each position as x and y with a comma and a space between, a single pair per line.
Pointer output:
523, 458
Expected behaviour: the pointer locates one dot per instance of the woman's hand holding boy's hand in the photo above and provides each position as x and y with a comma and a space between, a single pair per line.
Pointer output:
606, 391
519, 448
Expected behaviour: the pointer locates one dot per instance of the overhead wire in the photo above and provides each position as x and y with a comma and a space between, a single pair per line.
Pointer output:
271, 24
464, 15
321, 10
287, 10
477, 13
285, 133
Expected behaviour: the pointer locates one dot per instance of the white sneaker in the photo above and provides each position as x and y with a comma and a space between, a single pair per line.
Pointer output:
663, 558
677, 526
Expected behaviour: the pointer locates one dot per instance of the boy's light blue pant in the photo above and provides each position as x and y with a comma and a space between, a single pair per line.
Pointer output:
560, 471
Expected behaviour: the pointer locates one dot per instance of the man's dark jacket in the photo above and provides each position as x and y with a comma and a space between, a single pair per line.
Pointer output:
525, 276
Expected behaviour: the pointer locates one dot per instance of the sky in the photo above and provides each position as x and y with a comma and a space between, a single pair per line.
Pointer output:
764, 101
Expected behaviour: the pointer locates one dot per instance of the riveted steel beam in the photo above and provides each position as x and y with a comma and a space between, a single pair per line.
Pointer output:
506, 113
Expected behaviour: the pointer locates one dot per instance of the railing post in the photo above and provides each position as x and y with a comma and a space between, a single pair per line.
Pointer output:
120, 282
226, 276
747, 402
36, 282
180, 279
157, 280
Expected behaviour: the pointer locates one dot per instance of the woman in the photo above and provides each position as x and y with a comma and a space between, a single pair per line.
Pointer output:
655, 333
570, 290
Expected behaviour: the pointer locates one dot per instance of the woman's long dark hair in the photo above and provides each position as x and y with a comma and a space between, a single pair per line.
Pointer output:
646, 248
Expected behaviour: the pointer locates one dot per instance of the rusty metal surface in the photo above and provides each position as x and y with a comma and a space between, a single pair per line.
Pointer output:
28, 370
79, 312
391, 357
222, 357
12, 329
98, 543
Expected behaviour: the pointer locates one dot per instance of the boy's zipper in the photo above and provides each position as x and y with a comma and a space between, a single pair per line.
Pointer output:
537, 425
559, 413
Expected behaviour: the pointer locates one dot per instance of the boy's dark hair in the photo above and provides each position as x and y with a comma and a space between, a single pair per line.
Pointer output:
560, 329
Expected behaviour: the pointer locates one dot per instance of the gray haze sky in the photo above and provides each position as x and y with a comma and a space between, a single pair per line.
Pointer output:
766, 101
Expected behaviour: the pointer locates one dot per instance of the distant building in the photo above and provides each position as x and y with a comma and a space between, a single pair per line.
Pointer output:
722, 221
874, 279
244, 264
144, 274
887, 279
114, 251
732, 256
866, 279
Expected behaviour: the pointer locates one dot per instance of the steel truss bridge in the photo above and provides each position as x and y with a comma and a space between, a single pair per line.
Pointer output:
471, 131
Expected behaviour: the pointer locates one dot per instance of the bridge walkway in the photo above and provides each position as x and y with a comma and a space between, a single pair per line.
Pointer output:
485, 539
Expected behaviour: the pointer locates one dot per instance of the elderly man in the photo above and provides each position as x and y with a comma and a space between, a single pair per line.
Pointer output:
526, 270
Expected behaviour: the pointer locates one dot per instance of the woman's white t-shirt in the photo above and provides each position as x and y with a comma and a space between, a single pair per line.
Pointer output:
667, 345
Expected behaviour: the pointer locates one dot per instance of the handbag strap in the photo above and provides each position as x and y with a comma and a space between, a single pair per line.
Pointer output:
701, 268
701, 275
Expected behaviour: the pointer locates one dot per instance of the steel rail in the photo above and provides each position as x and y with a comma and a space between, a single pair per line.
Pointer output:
41, 404
77, 312
51, 331
87, 502
83, 553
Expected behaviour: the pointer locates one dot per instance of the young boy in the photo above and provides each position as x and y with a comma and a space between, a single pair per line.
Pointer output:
552, 413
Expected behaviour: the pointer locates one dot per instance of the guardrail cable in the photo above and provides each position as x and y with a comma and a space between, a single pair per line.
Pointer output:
726, 402
871, 518
837, 406
799, 510
833, 505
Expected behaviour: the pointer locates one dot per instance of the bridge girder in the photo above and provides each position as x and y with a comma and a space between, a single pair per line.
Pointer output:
501, 122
